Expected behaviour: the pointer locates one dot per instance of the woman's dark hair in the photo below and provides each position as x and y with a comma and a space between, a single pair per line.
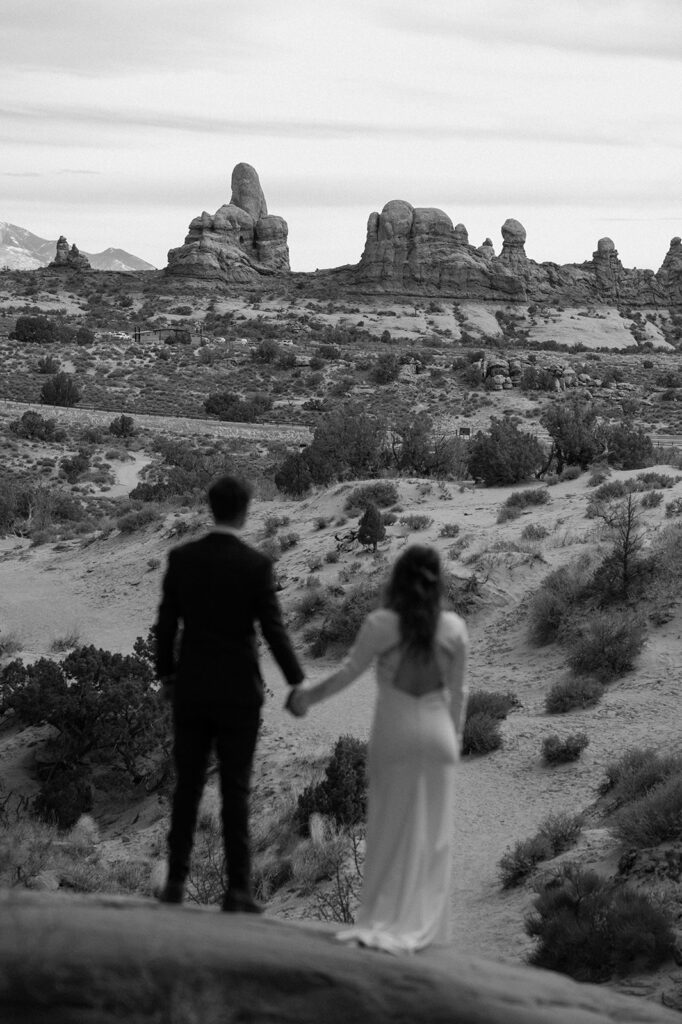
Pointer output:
229, 498
414, 592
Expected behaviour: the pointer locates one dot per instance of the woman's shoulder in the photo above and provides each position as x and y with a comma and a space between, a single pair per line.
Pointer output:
451, 626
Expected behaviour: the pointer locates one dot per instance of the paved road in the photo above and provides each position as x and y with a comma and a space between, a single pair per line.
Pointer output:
175, 424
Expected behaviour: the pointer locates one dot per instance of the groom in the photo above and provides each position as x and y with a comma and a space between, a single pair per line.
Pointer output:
214, 591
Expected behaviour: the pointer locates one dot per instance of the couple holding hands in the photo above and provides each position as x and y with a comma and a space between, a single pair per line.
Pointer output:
217, 588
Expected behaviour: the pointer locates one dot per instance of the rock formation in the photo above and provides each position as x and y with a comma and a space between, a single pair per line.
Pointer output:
70, 959
240, 243
415, 251
670, 274
69, 259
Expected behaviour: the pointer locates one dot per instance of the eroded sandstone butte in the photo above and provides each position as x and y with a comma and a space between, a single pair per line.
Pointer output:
411, 251
240, 243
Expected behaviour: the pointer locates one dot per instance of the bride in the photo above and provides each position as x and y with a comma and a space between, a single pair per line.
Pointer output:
420, 654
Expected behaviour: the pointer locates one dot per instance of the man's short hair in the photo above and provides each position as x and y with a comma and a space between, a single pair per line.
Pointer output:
229, 498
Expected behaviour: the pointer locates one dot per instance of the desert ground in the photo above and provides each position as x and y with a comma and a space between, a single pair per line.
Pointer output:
101, 585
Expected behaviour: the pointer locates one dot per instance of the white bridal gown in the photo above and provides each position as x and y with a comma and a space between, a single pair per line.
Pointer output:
412, 754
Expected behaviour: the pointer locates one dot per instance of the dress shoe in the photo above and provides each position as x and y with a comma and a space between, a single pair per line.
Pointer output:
237, 902
172, 892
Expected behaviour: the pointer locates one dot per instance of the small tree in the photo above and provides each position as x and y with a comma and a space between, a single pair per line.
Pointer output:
371, 529
294, 476
386, 368
572, 425
622, 565
60, 390
37, 330
122, 426
84, 336
504, 455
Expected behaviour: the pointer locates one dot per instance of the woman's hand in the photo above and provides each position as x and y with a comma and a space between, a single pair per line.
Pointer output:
298, 702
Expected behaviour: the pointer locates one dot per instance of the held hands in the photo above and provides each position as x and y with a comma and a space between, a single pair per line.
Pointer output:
297, 702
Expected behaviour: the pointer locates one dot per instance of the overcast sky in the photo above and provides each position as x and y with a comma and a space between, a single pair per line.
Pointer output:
120, 120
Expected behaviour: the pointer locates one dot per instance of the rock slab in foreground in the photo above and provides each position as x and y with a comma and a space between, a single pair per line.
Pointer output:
93, 960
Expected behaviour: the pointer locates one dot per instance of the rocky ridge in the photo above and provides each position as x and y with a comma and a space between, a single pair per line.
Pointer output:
415, 251
240, 243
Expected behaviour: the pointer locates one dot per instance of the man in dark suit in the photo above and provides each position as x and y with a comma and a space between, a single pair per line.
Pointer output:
216, 589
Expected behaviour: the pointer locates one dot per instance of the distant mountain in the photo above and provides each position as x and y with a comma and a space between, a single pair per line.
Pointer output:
22, 250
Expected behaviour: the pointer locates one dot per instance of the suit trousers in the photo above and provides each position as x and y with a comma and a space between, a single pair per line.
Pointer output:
198, 729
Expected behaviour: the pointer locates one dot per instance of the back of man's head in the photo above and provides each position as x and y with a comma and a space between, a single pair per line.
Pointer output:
229, 499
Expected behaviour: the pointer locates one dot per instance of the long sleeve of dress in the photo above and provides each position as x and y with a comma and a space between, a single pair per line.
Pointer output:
369, 643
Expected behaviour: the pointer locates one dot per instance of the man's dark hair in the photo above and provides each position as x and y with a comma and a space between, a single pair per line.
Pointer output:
229, 498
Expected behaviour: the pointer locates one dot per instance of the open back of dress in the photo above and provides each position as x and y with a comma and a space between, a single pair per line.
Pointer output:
417, 675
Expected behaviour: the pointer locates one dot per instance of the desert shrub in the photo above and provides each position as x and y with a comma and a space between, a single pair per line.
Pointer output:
272, 523
592, 928
286, 361
34, 426
519, 501
638, 771
48, 364
629, 446
449, 530
35, 330
491, 702
673, 508
107, 725
652, 499
331, 556
653, 818
74, 466
652, 478
481, 733
560, 751
267, 351
418, 448
570, 473
533, 532
386, 369
293, 476
558, 832
288, 540
348, 442
599, 475
382, 494
417, 522
84, 336
572, 693
229, 406
136, 520
504, 455
311, 603
553, 604
342, 793
122, 426
345, 617
607, 644
61, 389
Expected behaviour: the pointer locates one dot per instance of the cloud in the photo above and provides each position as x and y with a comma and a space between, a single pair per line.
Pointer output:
103, 38
20, 174
629, 28
331, 129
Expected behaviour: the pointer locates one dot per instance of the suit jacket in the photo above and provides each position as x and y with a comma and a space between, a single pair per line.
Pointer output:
218, 588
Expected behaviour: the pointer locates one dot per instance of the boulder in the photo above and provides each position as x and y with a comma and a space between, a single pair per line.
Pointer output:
72, 959
239, 244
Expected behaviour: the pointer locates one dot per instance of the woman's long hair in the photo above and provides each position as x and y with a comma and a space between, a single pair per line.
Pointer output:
414, 592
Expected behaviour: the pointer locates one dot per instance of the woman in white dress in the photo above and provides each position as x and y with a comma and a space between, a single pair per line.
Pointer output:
420, 654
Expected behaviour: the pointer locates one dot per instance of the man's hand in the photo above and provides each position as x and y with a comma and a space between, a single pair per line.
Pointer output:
167, 689
297, 702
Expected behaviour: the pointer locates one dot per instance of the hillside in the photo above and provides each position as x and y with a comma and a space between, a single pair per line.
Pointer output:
105, 592
22, 250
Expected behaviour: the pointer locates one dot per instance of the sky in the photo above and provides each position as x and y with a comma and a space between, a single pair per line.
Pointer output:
121, 120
